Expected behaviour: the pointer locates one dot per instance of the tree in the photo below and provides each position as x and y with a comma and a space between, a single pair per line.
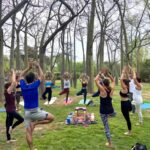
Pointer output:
89, 50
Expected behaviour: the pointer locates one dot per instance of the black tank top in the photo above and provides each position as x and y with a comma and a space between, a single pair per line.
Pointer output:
124, 95
106, 104
10, 102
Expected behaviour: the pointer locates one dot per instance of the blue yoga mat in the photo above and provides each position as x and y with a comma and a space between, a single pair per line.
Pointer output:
145, 106
2, 110
82, 101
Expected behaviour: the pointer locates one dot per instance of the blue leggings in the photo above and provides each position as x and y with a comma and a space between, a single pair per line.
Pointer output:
104, 118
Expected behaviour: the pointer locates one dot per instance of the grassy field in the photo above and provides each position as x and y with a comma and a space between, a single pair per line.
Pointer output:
58, 136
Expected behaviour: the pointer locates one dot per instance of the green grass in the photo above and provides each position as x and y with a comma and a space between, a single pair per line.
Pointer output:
58, 136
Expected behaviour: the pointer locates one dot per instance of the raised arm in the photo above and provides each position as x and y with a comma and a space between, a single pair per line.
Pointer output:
139, 86
40, 72
97, 81
13, 82
24, 72
121, 80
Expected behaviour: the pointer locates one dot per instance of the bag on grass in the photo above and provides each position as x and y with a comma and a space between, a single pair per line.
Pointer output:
139, 146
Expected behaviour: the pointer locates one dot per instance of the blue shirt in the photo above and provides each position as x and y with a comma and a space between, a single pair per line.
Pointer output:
30, 94
48, 83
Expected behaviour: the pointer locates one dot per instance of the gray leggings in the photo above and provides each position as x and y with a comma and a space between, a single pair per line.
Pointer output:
104, 118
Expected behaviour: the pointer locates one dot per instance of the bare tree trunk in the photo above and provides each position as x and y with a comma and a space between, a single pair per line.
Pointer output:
63, 54
83, 50
124, 32
25, 46
18, 60
89, 58
36, 49
74, 50
52, 51
12, 42
121, 49
1, 66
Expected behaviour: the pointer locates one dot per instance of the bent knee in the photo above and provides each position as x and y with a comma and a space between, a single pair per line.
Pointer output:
50, 117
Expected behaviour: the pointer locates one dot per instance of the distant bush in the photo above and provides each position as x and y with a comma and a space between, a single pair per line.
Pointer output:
145, 71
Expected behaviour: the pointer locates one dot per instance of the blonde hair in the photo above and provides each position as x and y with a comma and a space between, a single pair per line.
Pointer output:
66, 75
49, 75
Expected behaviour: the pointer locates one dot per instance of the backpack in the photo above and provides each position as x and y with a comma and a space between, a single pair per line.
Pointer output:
139, 146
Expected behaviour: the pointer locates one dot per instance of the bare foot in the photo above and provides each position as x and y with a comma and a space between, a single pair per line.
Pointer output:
108, 145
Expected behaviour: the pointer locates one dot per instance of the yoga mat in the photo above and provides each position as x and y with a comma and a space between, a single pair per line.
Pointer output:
82, 101
53, 99
145, 106
70, 100
2, 109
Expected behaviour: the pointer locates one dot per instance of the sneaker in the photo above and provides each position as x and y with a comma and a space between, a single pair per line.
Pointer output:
11, 141
127, 133
10, 130
108, 145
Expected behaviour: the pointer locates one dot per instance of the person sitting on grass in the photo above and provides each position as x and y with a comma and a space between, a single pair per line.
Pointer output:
11, 113
33, 115
106, 108
84, 79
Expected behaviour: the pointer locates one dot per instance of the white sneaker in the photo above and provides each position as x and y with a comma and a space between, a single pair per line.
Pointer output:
10, 130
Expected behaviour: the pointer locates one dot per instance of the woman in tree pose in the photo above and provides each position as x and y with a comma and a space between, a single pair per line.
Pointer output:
11, 113
137, 97
106, 108
126, 106
84, 79
66, 87
48, 86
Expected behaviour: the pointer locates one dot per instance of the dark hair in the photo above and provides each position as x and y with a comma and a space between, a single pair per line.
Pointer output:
126, 82
106, 82
6, 86
138, 79
30, 77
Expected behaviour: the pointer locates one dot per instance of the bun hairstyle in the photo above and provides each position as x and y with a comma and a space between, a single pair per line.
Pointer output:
49, 75
126, 82
66, 75
84, 77
106, 82
6, 86
138, 79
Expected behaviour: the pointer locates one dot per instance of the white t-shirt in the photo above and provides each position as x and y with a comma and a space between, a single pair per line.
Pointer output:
66, 84
137, 96
131, 86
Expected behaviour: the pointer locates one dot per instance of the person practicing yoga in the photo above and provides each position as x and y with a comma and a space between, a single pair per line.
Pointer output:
11, 113
33, 114
126, 106
106, 108
137, 97
66, 81
84, 81
48, 86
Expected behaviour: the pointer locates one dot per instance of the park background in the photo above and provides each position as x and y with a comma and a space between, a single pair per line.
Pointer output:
76, 36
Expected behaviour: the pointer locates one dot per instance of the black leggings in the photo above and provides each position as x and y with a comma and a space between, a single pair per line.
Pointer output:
96, 94
84, 92
9, 121
49, 91
125, 109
